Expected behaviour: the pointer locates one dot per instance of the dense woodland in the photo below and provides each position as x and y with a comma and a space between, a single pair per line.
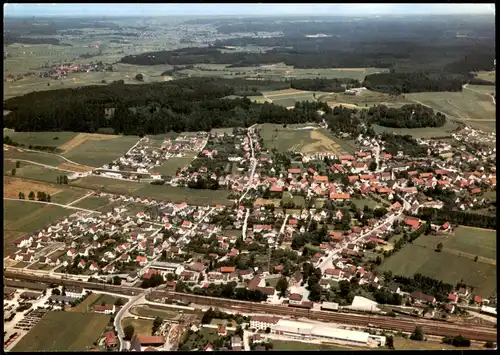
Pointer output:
407, 116
403, 83
458, 218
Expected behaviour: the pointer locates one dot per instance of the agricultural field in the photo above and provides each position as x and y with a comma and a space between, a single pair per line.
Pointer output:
428, 132
38, 157
474, 108
35, 172
415, 258
487, 75
48, 139
161, 192
92, 203
12, 187
97, 149
86, 304
21, 218
292, 139
169, 167
68, 195
85, 329
288, 97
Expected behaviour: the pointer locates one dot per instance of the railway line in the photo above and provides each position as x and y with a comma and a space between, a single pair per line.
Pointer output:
406, 324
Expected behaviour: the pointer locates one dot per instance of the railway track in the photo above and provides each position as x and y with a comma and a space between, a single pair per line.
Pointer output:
406, 324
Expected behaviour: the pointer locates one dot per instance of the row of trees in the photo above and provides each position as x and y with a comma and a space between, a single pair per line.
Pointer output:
40, 196
407, 116
403, 83
458, 217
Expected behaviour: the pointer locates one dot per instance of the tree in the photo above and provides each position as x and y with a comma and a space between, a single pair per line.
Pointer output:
65, 179
139, 77
373, 165
156, 324
119, 302
58, 179
282, 286
48, 198
390, 342
117, 280
476, 258
31, 195
489, 345
21, 196
268, 330
388, 275
439, 247
56, 292
18, 164
13, 172
129, 331
418, 334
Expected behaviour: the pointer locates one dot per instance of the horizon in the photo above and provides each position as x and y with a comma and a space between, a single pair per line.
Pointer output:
15, 10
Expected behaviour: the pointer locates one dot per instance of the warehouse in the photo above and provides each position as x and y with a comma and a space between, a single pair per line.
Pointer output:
300, 330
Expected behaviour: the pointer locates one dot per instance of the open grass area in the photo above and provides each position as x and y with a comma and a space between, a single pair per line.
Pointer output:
49, 139
86, 305
26, 217
401, 343
169, 168
423, 259
68, 331
161, 192
474, 108
477, 241
365, 99
428, 132
97, 152
92, 203
68, 195
39, 157
361, 203
300, 346
36, 172
141, 326
487, 75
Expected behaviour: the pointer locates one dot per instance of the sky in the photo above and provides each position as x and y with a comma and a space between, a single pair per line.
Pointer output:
242, 9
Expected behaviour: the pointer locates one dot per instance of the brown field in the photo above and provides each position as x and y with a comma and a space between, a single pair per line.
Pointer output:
13, 186
262, 201
286, 92
343, 104
83, 307
82, 138
322, 144
74, 167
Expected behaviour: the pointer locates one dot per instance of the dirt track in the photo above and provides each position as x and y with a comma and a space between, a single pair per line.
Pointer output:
75, 168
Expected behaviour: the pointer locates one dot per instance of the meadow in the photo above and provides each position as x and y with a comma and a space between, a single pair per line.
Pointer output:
161, 192
365, 99
428, 132
474, 108
39, 157
141, 326
420, 257
169, 167
153, 312
85, 329
97, 150
92, 203
35, 172
48, 139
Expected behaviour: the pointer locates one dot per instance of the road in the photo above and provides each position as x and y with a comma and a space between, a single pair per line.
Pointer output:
253, 163
407, 324
244, 229
81, 198
42, 152
53, 204
246, 340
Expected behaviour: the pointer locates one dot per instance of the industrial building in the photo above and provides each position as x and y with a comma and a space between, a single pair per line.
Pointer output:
302, 330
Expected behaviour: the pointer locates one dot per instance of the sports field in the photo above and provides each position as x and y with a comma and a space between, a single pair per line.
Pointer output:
97, 149
458, 255
64, 331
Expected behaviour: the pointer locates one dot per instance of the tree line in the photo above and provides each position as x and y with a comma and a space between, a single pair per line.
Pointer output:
403, 83
407, 116
40, 196
457, 217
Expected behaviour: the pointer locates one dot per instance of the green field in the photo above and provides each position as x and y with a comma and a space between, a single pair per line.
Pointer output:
474, 108
364, 99
68, 331
39, 157
297, 200
93, 203
487, 75
68, 195
361, 203
427, 132
35, 172
99, 152
163, 192
415, 258
169, 168
26, 217
283, 140
141, 326
39, 138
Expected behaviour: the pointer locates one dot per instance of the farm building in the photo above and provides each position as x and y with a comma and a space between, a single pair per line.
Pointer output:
302, 330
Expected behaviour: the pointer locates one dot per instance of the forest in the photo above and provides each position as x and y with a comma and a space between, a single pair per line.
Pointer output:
404, 83
407, 116
325, 85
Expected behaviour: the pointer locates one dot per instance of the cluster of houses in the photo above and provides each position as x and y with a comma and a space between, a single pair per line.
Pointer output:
62, 71
148, 154
476, 136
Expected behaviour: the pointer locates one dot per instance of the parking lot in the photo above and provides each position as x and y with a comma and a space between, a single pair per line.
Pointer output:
22, 315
